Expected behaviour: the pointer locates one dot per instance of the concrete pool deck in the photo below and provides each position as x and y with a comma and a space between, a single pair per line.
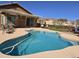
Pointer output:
69, 36
18, 32
69, 52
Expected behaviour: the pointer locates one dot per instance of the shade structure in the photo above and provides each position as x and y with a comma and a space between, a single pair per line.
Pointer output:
15, 12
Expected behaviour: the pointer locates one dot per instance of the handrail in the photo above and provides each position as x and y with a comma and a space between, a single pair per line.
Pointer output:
13, 46
10, 50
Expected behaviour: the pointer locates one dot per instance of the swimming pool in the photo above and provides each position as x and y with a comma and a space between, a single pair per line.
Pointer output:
34, 42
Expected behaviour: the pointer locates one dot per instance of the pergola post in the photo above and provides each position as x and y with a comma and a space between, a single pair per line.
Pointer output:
25, 20
30, 21
34, 21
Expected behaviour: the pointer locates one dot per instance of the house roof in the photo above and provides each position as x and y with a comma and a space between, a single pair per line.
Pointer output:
11, 11
7, 4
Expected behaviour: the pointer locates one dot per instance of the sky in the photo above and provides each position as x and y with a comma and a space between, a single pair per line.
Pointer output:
51, 9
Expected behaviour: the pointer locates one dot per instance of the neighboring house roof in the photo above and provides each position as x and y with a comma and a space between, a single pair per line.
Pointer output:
16, 4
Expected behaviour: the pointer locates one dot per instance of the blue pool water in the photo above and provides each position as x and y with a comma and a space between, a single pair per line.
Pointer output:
34, 42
